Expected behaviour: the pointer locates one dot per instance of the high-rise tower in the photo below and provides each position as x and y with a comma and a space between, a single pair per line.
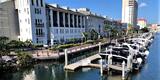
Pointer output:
129, 12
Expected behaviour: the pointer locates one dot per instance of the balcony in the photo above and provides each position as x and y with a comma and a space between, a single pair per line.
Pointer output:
40, 34
39, 24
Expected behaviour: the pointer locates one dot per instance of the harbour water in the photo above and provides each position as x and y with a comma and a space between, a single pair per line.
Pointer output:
55, 71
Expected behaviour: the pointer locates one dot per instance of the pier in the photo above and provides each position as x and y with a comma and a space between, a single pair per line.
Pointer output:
83, 63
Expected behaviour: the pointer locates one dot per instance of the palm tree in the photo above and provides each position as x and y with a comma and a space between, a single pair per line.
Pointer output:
85, 35
94, 35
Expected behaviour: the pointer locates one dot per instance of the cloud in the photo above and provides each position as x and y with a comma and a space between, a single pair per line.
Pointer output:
142, 4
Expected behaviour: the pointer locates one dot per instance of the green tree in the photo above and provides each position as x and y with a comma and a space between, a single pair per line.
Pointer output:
107, 29
85, 35
16, 44
94, 35
3, 42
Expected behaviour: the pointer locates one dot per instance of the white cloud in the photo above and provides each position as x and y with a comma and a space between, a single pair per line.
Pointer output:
142, 4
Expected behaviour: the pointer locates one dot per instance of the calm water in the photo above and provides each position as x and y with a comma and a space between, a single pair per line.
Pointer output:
54, 71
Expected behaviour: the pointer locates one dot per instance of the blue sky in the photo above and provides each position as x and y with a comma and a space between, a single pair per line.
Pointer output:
148, 9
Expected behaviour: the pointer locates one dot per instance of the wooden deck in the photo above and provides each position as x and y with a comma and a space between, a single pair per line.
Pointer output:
84, 62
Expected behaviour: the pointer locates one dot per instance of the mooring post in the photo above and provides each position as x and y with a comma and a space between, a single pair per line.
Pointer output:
66, 57
116, 42
106, 50
108, 61
128, 62
123, 70
99, 47
101, 69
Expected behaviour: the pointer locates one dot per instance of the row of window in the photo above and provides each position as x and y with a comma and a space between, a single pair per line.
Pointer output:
62, 31
37, 2
37, 10
39, 32
76, 18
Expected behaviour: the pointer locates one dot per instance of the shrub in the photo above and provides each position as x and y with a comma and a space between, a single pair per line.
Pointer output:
89, 42
24, 58
61, 47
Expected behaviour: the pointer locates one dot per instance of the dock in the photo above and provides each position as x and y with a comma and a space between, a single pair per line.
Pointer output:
83, 63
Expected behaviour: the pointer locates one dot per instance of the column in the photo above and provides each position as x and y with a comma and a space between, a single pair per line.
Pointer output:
51, 17
69, 25
58, 19
81, 21
73, 20
77, 21
84, 21
66, 57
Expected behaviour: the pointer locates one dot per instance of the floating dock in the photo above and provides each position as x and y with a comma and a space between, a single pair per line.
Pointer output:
84, 62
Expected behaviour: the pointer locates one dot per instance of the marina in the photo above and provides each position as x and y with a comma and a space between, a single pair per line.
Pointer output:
122, 57
55, 71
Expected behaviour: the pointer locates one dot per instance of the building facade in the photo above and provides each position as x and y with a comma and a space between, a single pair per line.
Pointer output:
129, 12
46, 24
8, 20
32, 21
64, 24
142, 23
93, 21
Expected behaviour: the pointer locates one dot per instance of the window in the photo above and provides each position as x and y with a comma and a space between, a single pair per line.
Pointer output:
75, 20
32, 2
41, 3
25, 20
37, 11
66, 20
27, 10
37, 2
28, 21
56, 31
82, 21
79, 22
61, 30
71, 20
55, 19
39, 32
61, 19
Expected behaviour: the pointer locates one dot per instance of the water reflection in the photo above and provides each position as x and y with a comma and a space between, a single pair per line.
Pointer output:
30, 76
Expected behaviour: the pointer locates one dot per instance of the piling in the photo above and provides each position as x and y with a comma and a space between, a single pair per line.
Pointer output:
101, 68
99, 47
123, 70
66, 57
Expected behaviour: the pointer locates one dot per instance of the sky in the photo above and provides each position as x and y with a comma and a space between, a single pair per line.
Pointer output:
148, 9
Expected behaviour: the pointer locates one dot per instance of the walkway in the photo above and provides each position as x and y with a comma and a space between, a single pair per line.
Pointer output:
47, 54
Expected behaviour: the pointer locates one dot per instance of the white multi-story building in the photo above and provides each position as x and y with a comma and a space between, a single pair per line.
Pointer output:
93, 21
32, 20
64, 23
46, 23
129, 12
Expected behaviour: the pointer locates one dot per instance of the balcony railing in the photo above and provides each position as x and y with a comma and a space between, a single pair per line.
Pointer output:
39, 25
40, 35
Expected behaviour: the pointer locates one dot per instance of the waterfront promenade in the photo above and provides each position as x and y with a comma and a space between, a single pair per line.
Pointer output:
48, 54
